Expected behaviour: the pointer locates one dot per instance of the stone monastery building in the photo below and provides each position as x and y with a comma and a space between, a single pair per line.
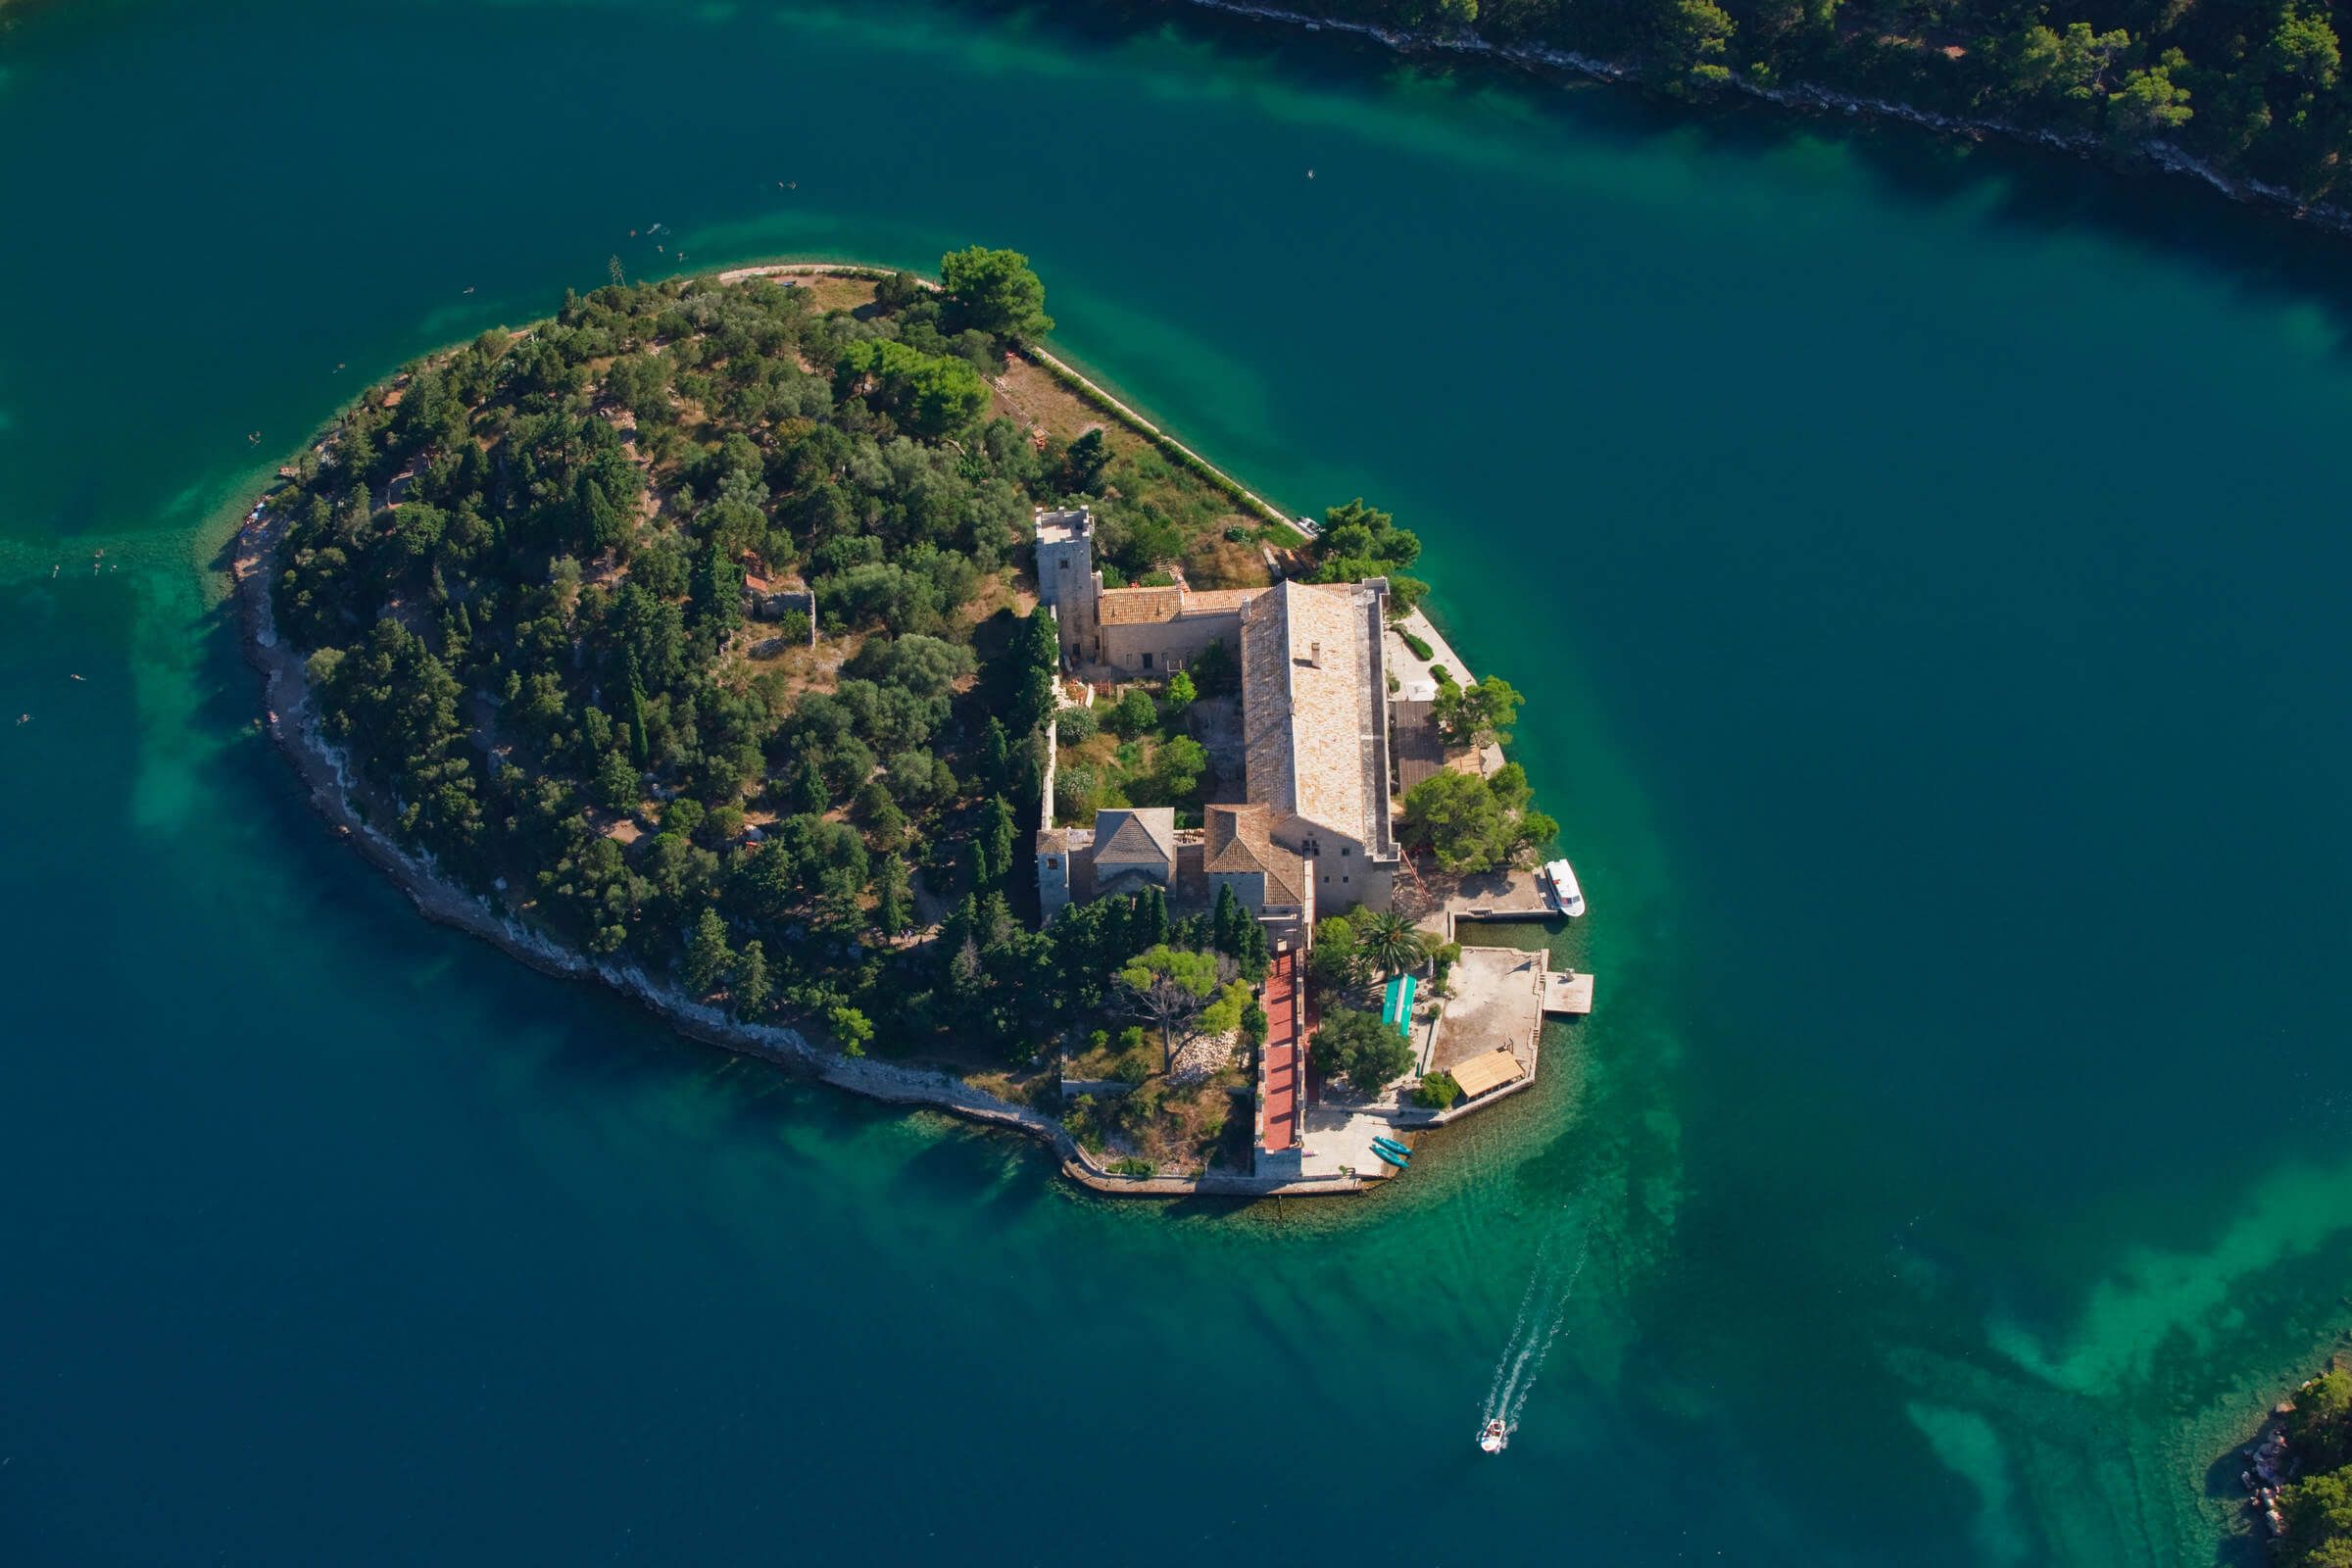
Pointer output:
1312, 835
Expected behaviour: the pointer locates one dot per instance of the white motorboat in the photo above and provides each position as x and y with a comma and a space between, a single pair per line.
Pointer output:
1559, 879
1494, 1437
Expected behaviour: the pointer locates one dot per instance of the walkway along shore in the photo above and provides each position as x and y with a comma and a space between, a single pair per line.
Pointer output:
2164, 156
293, 723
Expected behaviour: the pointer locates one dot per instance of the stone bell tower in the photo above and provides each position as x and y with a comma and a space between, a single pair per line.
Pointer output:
1067, 580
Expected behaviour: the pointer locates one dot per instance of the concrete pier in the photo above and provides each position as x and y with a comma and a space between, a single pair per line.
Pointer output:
1569, 993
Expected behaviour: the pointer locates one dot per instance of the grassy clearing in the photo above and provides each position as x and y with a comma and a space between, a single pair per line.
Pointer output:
1105, 770
1173, 508
1179, 1127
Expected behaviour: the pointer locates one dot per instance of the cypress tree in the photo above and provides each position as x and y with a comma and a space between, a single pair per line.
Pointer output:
1225, 927
640, 750
995, 755
996, 838
715, 597
1255, 956
894, 897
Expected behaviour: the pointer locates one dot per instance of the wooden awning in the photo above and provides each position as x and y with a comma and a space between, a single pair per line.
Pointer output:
1491, 1071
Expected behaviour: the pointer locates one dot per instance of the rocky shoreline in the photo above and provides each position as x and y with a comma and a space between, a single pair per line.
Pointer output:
292, 722
1555, 62
2270, 1465
2271, 1460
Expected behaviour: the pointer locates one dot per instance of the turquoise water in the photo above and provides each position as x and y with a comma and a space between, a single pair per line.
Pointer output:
1924, 569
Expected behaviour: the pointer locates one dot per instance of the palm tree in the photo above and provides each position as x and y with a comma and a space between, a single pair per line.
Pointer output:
1389, 941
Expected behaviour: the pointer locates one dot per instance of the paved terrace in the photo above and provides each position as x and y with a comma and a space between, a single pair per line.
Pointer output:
1339, 1140
1497, 1005
1415, 683
1442, 904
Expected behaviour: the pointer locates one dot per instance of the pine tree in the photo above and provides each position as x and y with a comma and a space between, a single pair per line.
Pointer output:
457, 634
995, 925
967, 981
1151, 911
751, 984
808, 792
962, 921
707, 955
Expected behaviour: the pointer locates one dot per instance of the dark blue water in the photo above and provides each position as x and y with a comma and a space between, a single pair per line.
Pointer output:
1922, 566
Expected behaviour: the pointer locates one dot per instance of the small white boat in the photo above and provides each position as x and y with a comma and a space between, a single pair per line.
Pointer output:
1559, 879
1494, 1437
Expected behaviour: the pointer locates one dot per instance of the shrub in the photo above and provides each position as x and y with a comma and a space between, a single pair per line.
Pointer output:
1133, 1167
1135, 714
1076, 790
2320, 1427
1076, 725
1419, 646
1436, 1091
1360, 1048
1214, 561
793, 627
1079, 1117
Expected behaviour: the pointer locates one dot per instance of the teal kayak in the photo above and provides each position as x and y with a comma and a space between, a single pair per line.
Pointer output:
1400, 1162
1392, 1146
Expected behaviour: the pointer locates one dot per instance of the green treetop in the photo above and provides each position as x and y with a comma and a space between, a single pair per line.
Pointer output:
1168, 987
994, 291
1356, 1046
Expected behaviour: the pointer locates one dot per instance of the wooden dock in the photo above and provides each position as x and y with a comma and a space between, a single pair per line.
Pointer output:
1569, 993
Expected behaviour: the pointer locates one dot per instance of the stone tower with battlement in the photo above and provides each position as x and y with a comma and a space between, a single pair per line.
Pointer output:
1067, 580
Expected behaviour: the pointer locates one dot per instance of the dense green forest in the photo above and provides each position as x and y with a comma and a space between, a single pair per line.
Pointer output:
2318, 1504
554, 591
521, 572
695, 627
2255, 87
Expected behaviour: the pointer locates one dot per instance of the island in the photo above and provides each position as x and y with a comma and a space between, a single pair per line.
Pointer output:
810, 654
2297, 1471
2251, 100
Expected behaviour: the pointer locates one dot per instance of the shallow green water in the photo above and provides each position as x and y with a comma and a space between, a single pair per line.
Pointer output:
1924, 570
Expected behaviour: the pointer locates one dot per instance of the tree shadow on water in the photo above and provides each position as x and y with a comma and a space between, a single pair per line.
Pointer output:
2258, 251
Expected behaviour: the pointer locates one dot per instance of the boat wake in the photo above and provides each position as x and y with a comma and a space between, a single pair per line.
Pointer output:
1543, 1312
